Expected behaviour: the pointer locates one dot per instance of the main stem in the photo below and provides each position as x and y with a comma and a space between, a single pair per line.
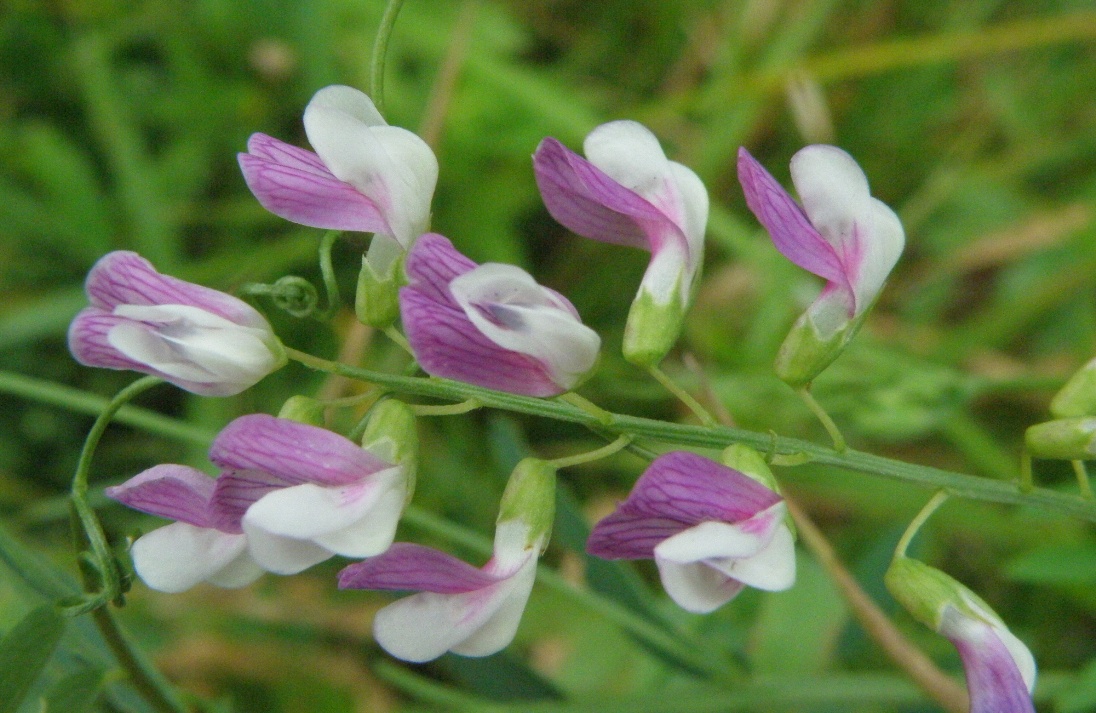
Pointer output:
380, 53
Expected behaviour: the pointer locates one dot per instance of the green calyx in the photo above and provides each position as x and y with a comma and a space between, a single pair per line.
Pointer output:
805, 353
392, 436
653, 328
1065, 439
750, 463
303, 409
925, 592
530, 497
376, 302
1078, 396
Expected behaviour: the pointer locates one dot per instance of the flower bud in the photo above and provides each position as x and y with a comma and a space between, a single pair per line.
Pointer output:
530, 499
1066, 438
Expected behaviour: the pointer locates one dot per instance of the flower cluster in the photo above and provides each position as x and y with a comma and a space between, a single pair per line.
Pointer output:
290, 493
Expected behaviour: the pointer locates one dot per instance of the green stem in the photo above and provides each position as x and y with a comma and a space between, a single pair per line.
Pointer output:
448, 410
603, 416
380, 53
1027, 480
327, 271
926, 512
604, 452
1082, 479
396, 336
103, 559
146, 680
839, 444
684, 396
959, 485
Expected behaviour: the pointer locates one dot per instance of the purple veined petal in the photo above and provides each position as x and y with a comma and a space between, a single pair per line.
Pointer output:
308, 198
448, 345
406, 566
295, 452
625, 535
262, 146
792, 232
88, 340
432, 263
178, 556
177, 492
691, 489
586, 201
237, 490
696, 587
126, 278
994, 679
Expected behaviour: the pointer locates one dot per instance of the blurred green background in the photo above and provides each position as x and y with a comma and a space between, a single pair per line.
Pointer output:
975, 120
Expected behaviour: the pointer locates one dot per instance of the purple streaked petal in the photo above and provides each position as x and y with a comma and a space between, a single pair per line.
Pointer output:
447, 344
792, 233
295, 452
275, 150
432, 264
126, 278
406, 566
690, 489
88, 340
585, 200
624, 535
177, 492
994, 680
309, 198
237, 490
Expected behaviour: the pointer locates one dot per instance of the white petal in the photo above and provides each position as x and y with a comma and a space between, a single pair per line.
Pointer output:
373, 533
240, 572
349, 100
526, 318
771, 569
834, 192
694, 203
695, 586
512, 548
499, 630
886, 240
630, 154
710, 539
176, 557
669, 274
282, 555
306, 511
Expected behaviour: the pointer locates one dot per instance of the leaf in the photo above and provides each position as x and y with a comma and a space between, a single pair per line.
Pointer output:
25, 651
76, 692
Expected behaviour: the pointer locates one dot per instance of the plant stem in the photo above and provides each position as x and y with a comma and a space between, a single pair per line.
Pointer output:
327, 271
926, 512
684, 435
839, 444
380, 53
395, 335
591, 456
684, 396
446, 410
876, 623
603, 416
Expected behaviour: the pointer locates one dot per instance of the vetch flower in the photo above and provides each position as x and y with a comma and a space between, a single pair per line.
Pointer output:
1000, 669
711, 530
491, 325
303, 493
469, 611
627, 192
197, 338
365, 175
205, 544
840, 233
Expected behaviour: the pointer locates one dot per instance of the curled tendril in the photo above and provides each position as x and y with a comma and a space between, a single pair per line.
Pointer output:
291, 293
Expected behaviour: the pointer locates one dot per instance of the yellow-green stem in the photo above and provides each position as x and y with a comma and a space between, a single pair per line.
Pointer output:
1082, 479
446, 409
839, 444
396, 336
591, 456
684, 396
926, 512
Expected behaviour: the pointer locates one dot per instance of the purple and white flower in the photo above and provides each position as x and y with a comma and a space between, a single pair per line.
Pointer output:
365, 175
303, 493
1000, 669
841, 233
289, 496
627, 192
205, 544
710, 529
458, 608
491, 325
199, 339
